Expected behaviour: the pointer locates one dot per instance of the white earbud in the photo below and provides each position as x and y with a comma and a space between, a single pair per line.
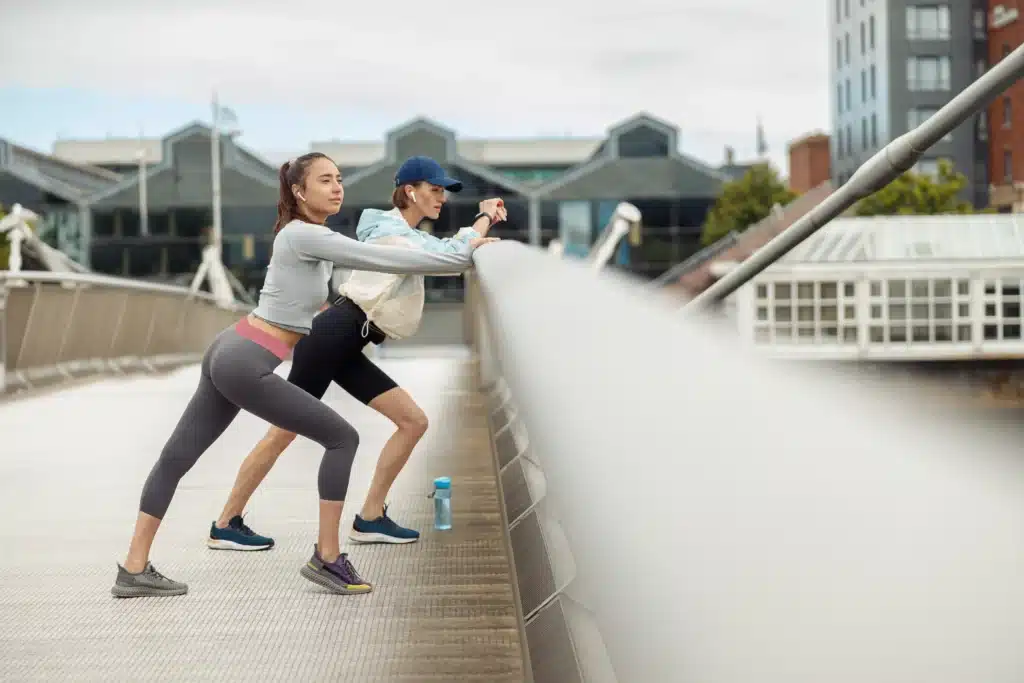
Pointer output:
299, 194
412, 196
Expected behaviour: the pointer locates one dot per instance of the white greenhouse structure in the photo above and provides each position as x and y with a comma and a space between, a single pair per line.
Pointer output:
907, 288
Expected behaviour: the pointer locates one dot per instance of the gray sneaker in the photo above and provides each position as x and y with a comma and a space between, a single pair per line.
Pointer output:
338, 576
146, 584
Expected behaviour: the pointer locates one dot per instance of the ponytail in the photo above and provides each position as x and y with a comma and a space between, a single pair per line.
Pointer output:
292, 173
287, 207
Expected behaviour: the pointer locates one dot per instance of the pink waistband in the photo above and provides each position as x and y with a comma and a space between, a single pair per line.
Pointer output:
263, 338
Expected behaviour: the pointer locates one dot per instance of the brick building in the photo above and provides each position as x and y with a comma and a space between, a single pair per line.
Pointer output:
809, 162
1006, 113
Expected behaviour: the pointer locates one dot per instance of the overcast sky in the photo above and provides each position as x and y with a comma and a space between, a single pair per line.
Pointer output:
298, 71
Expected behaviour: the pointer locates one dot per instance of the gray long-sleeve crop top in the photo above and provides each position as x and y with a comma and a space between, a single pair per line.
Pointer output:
303, 258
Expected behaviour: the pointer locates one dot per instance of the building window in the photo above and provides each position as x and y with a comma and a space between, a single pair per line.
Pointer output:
846, 8
849, 99
871, 31
806, 313
928, 167
873, 91
839, 11
575, 229
926, 74
1007, 166
846, 47
1002, 321
921, 311
1007, 112
874, 130
863, 85
863, 133
839, 54
918, 115
863, 38
849, 139
928, 22
839, 143
643, 141
980, 31
839, 97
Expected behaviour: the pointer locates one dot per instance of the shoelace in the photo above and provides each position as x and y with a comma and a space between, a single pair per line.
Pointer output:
153, 572
244, 528
349, 568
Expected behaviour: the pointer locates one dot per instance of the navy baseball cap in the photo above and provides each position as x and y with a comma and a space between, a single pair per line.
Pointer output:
425, 169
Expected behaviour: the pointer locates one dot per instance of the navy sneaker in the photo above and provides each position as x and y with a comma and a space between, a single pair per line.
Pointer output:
381, 530
237, 536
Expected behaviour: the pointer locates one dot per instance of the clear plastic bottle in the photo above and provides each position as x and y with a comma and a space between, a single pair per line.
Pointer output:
443, 503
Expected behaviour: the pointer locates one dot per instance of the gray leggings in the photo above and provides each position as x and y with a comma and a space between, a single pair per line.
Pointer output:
238, 374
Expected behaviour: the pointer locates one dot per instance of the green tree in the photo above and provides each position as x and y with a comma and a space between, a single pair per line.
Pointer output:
745, 201
918, 193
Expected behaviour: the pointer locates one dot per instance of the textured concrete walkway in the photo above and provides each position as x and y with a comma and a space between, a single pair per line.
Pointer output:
71, 468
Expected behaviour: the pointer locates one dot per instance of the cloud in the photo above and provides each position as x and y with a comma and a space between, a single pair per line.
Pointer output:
709, 66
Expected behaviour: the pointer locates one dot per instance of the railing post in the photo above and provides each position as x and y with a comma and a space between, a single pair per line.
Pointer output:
36, 293
67, 328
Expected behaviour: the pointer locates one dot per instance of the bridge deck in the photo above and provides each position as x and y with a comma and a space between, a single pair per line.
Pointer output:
71, 469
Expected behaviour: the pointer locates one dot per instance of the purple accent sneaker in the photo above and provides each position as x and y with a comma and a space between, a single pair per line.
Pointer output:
338, 576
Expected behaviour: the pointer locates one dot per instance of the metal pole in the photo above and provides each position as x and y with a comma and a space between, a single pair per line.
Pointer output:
215, 237
143, 194
881, 169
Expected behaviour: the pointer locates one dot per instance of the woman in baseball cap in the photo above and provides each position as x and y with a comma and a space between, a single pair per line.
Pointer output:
368, 307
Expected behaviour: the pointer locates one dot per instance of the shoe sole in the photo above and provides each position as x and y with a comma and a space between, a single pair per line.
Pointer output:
221, 544
145, 592
373, 537
311, 574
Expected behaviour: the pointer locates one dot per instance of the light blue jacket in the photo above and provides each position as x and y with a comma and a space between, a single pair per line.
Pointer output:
395, 302
374, 224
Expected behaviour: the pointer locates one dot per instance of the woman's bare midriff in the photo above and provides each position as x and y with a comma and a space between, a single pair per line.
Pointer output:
287, 336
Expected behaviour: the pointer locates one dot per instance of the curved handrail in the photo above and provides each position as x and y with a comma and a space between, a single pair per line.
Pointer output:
104, 281
732, 519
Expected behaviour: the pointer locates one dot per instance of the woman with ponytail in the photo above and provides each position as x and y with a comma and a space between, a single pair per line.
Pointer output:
237, 373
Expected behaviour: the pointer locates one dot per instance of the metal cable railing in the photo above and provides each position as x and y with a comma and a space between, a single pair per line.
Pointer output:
56, 326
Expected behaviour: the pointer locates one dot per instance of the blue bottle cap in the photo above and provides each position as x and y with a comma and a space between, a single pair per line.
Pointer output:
442, 483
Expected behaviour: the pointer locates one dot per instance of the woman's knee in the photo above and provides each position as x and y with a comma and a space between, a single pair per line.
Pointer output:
413, 421
342, 435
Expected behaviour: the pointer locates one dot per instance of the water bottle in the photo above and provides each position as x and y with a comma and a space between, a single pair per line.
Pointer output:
442, 503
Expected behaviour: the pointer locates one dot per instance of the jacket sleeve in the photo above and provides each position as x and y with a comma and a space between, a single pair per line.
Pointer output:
449, 245
319, 242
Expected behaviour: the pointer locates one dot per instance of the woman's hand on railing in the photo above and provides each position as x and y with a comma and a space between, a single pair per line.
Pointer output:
480, 241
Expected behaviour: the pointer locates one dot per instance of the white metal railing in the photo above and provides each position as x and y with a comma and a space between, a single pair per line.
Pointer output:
688, 506
624, 218
22, 238
55, 326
